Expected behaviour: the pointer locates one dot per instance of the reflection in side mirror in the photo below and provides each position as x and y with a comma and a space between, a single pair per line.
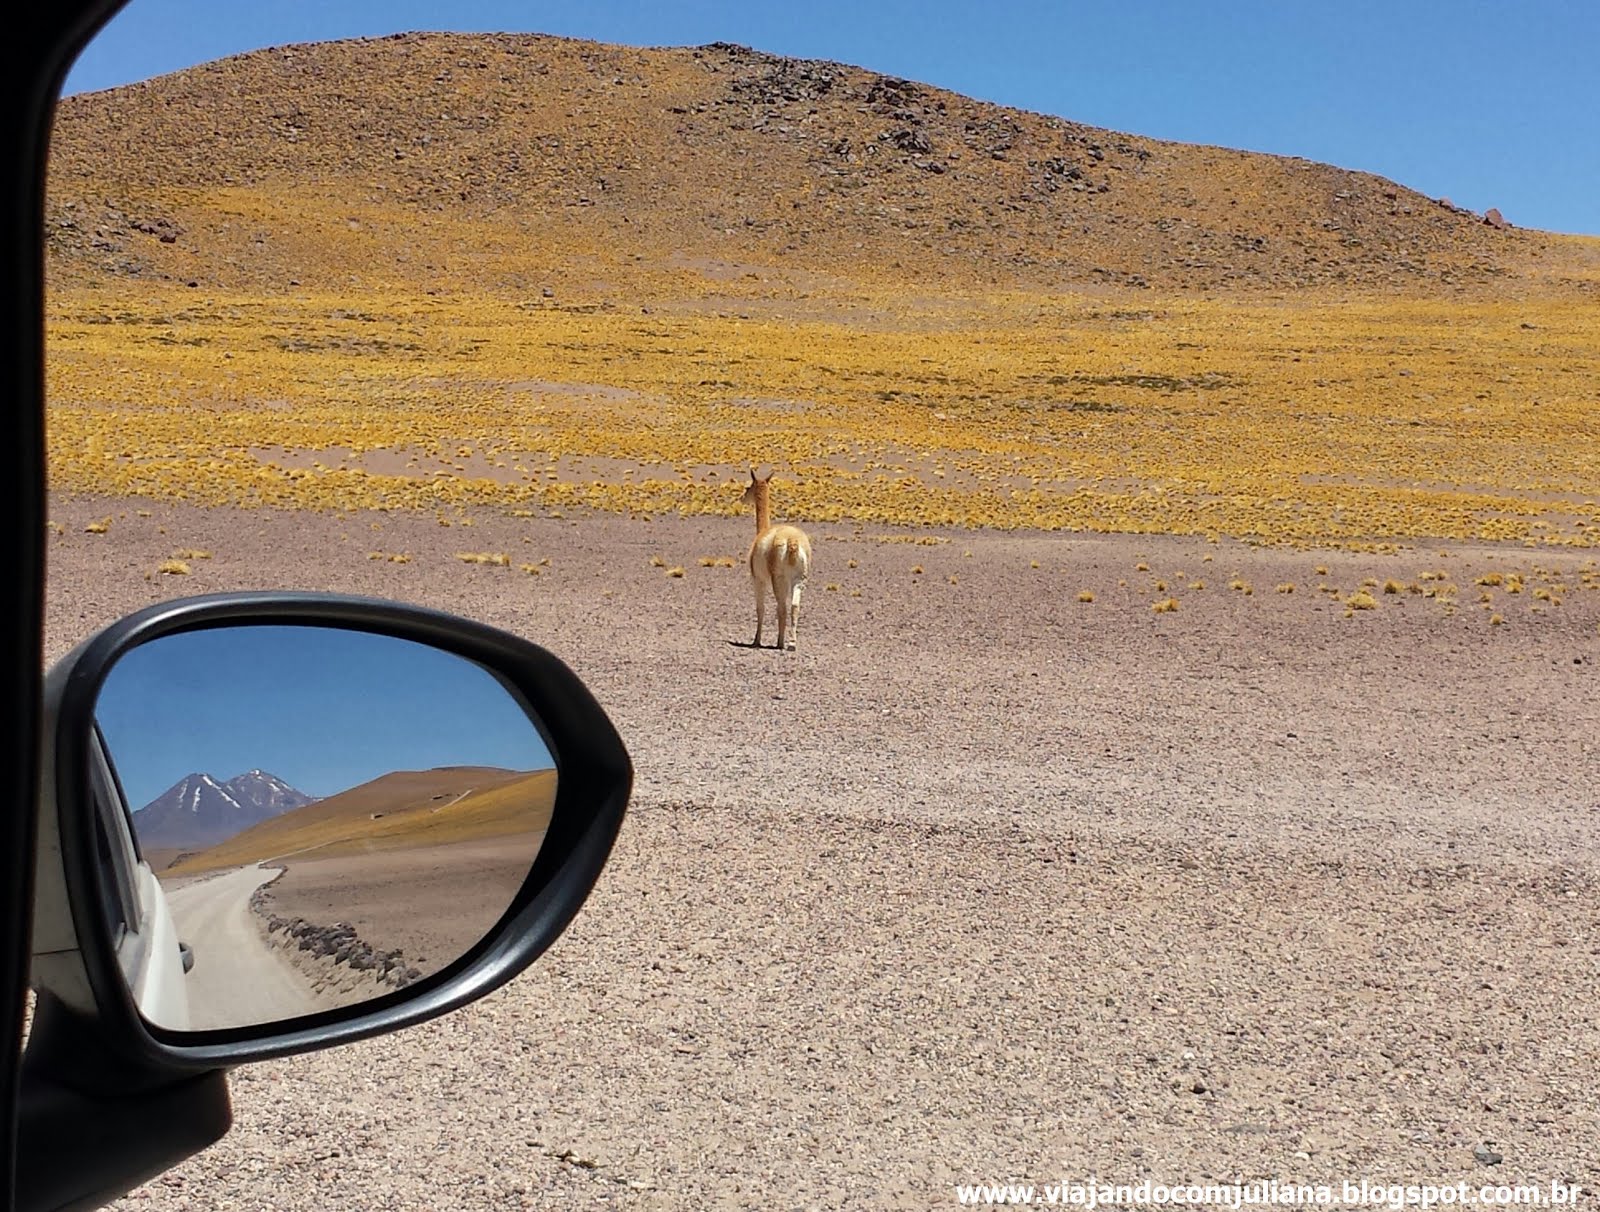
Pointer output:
328, 815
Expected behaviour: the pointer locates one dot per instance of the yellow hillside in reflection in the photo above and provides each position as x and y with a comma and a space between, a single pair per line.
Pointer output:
404, 810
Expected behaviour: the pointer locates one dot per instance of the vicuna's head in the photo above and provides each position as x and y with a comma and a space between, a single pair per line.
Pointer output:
756, 492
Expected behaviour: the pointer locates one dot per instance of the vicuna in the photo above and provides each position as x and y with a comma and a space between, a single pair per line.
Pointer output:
780, 560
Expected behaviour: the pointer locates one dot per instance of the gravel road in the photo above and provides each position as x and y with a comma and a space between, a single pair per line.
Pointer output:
984, 882
236, 979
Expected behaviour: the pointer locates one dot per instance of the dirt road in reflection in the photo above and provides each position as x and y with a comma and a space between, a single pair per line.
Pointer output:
237, 978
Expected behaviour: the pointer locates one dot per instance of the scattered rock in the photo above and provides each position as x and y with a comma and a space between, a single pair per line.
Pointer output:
1488, 1156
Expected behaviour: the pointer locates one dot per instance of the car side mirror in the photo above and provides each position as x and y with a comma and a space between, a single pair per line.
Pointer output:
277, 822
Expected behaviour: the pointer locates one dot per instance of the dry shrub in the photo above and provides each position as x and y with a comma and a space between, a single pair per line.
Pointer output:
1165, 606
1286, 587
98, 527
675, 571
191, 553
173, 568
1361, 600
497, 559
1393, 586
1085, 596
1492, 578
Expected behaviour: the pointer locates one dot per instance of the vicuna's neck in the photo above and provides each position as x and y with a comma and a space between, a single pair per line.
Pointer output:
763, 508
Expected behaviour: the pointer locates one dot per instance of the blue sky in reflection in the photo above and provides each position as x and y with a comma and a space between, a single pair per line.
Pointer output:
322, 708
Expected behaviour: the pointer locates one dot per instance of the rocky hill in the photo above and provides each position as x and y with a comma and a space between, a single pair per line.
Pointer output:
497, 161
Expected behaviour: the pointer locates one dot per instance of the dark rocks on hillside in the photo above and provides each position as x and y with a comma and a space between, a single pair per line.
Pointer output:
163, 230
909, 141
1495, 219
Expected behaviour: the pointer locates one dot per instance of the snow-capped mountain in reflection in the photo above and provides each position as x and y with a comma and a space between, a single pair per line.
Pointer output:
198, 811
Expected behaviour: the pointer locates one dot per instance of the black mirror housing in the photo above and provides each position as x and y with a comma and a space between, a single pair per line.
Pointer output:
74, 959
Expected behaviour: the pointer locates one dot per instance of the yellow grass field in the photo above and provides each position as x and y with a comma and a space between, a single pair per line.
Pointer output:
1353, 422
512, 807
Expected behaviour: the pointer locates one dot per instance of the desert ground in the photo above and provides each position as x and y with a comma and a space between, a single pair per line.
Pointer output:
433, 903
984, 882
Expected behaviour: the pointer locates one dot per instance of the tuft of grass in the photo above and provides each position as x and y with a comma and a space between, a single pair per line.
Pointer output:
916, 570
1286, 587
1141, 567
675, 571
1242, 585
1497, 620
657, 562
1361, 600
1322, 570
1197, 584
1165, 606
191, 553
99, 526
497, 559
1394, 586
173, 568
531, 569
1492, 578
1085, 596
717, 561
855, 563
1031, 564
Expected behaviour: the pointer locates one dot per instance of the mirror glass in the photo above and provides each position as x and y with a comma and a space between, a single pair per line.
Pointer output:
317, 816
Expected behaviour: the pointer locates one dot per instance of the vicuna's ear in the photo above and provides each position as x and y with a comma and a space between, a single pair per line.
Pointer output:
753, 475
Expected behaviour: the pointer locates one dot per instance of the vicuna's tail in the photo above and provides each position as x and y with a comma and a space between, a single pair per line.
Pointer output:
791, 553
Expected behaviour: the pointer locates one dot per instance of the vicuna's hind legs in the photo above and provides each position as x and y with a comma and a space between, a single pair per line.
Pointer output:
761, 610
794, 617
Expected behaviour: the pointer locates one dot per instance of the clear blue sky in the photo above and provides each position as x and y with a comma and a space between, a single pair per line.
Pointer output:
321, 708
1487, 103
